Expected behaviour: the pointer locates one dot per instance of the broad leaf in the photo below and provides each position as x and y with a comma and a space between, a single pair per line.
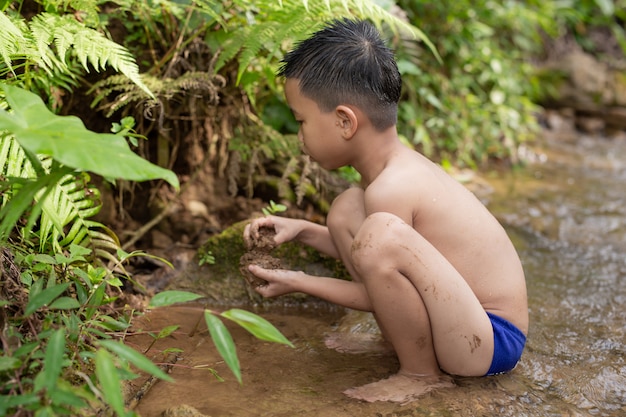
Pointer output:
135, 358
53, 359
256, 325
44, 297
223, 342
167, 298
67, 140
109, 379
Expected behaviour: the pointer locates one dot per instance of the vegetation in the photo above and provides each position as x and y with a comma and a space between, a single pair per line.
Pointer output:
184, 92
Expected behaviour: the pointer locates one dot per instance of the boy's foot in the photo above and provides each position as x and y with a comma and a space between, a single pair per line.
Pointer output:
399, 388
357, 343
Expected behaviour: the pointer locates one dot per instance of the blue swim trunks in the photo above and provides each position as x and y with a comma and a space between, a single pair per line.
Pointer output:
508, 344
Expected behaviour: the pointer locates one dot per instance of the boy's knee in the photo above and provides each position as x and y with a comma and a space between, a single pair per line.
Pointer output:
345, 207
377, 240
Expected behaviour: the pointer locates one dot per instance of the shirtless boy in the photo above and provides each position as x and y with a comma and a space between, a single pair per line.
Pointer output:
436, 269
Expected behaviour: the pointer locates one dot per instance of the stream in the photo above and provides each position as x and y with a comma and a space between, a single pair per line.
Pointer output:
566, 213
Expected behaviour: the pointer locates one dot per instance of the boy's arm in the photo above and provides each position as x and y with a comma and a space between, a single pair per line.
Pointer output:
318, 237
349, 294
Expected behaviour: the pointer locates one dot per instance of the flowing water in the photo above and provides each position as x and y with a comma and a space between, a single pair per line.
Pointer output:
566, 213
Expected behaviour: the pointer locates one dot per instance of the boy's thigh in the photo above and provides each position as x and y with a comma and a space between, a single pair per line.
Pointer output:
462, 332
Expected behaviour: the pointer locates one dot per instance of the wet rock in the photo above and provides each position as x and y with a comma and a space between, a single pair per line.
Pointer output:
182, 411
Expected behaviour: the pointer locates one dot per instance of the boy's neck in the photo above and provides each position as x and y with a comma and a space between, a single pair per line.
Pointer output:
375, 150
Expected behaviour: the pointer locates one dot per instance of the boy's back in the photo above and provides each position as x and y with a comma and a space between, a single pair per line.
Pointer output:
459, 226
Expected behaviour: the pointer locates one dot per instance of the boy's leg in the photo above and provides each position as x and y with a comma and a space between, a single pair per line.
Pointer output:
345, 217
429, 313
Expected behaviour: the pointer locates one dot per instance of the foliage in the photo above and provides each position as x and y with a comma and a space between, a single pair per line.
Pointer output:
58, 316
232, 46
273, 208
43, 160
254, 324
46, 54
474, 107
580, 16
62, 335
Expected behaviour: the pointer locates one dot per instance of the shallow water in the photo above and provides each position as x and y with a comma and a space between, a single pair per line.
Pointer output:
566, 213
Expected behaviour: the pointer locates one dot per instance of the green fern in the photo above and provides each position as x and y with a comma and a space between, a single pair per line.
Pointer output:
53, 43
124, 92
273, 22
68, 202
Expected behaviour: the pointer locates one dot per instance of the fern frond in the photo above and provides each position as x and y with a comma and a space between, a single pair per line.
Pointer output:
69, 202
10, 38
295, 19
127, 92
88, 45
52, 42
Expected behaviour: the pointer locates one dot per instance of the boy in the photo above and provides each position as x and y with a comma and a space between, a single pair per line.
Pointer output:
435, 268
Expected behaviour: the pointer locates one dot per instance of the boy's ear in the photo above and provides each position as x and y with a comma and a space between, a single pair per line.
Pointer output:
347, 121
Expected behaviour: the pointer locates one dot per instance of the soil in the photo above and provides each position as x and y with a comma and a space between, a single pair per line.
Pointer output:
258, 253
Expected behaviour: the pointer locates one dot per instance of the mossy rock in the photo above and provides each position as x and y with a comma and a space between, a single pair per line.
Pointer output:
223, 284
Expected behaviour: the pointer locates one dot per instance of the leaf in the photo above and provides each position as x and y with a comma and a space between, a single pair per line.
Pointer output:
223, 342
53, 359
256, 325
64, 395
64, 303
166, 331
44, 297
109, 380
167, 298
8, 363
135, 358
65, 138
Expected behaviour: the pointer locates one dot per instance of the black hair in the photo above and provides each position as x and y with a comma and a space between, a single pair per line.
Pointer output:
347, 62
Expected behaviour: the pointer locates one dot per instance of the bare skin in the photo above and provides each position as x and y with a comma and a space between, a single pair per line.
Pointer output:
425, 256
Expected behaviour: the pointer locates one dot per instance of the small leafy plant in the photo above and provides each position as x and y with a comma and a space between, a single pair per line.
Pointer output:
273, 208
254, 324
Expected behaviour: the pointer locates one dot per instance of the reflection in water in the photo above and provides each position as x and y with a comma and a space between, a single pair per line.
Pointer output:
567, 217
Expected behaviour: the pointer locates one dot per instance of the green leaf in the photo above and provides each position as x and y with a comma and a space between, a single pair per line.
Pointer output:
135, 358
256, 325
64, 395
109, 380
166, 331
53, 359
65, 138
223, 342
167, 298
64, 303
8, 363
44, 297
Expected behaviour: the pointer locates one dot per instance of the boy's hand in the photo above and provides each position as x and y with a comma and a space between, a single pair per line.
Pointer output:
286, 229
279, 281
